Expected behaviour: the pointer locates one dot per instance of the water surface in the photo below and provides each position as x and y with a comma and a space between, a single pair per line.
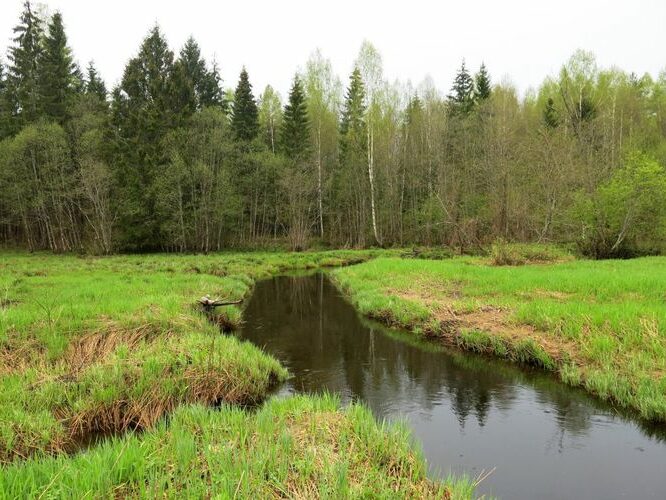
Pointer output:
470, 414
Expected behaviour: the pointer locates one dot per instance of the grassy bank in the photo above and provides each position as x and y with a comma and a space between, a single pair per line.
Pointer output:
598, 324
102, 345
94, 347
302, 447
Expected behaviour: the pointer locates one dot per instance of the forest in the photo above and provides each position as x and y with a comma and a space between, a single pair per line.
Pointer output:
172, 160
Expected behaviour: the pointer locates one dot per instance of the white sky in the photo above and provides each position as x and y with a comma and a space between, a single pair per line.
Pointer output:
525, 40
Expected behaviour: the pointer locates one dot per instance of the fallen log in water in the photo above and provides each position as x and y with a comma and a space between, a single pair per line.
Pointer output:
209, 304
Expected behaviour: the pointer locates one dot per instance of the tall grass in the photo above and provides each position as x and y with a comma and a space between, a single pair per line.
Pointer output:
107, 344
301, 447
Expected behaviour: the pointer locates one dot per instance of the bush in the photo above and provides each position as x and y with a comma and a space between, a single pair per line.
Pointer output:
626, 216
517, 254
439, 253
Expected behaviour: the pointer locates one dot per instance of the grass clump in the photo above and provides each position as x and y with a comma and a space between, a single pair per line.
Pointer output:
503, 253
301, 447
598, 324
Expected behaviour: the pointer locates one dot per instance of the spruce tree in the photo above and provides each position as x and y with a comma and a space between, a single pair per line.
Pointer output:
353, 138
245, 120
295, 125
210, 90
94, 85
482, 85
23, 78
196, 87
59, 76
5, 109
142, 115
462, 92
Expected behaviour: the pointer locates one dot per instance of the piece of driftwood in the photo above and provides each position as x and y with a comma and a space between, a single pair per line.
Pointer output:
209, 304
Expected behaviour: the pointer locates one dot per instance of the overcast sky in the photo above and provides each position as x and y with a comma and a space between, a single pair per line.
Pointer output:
525, 40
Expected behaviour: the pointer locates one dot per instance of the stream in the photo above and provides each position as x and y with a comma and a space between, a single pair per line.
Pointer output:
469, 413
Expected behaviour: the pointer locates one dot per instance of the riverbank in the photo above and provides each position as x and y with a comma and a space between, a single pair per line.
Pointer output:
596, 324
94, 347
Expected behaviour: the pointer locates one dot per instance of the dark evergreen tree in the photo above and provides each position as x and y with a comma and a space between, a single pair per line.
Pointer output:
295, 125
195, 86
142, 115
60, 77
94, 85
23, 79
550, 117
211, 93
245, 120
353, 126
462, 92
5, 113
482, 84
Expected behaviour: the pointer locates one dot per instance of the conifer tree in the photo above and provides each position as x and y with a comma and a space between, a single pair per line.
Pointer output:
196, 87
482, 84
59, 75
210, 89
5, 113
142, 114
23, 79
295, 125
352, 126
94, 85
462, 92
245, 120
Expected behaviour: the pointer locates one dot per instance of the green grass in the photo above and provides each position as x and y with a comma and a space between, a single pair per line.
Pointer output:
301, 447
599, 324
116, 346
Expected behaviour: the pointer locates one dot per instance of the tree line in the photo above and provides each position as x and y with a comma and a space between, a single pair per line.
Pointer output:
170, 160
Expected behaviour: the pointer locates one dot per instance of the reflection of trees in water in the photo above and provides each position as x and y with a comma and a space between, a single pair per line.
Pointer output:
305, 323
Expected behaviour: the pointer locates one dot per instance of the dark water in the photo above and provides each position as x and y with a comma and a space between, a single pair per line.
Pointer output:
470, 414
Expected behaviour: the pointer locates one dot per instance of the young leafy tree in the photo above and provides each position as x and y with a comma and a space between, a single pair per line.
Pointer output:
23, 80
58, 73
295, 136
550, 118
462, 92
245, 120
270, 116
324, 91
482, 84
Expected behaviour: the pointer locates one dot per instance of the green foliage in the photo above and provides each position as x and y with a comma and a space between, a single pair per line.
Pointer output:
550, 116
627, 214
245, 120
